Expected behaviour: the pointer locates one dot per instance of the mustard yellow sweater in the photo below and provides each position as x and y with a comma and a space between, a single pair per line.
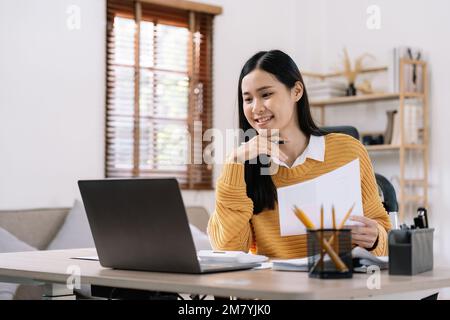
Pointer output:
233, 226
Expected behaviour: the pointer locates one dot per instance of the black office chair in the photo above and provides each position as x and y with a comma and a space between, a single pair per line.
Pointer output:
385, 188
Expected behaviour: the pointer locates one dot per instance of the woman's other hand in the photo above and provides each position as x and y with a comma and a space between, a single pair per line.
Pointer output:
366, 234
259, 144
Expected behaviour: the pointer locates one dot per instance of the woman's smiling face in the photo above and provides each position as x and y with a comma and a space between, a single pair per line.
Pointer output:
268, 103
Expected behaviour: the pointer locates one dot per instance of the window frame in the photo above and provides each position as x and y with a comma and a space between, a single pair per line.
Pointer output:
197, 176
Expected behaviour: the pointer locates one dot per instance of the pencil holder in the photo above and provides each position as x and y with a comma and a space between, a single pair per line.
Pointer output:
410, 251
330, 253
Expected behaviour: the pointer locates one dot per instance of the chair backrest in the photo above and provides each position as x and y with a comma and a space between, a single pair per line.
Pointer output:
351, 131
388, 195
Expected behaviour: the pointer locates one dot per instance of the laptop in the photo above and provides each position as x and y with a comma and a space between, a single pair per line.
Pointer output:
141, 224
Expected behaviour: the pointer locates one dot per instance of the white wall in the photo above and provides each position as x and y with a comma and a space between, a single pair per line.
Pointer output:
52, 90
51, 101
403, 22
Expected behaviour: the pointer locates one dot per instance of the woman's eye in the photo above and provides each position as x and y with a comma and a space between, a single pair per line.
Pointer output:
266, 95
248, 100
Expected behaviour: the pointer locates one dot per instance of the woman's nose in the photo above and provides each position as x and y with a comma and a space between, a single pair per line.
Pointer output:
258, 106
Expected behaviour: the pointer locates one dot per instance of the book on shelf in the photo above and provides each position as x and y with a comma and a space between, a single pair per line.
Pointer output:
412, 116
325, 89
412, 125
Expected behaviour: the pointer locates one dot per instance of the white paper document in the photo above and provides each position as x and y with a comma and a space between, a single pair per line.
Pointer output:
365, 259
340, 187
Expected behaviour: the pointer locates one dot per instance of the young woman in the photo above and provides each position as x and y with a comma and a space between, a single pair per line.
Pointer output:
272, 95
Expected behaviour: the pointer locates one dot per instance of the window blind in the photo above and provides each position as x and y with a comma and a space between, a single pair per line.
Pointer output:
159, 92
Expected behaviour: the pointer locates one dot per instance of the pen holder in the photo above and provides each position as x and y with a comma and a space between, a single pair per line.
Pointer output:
410, 251
330, 253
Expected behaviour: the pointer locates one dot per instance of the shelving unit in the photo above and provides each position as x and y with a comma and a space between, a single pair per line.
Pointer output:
404, 198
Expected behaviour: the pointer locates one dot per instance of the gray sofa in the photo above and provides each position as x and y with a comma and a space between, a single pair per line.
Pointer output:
38, 227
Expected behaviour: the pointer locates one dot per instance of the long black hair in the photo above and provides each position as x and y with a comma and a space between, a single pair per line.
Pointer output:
260, 188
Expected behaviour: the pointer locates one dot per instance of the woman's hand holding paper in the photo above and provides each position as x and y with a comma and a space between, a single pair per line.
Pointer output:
364, 234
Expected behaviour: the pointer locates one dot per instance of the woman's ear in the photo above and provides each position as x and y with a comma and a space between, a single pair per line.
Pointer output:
297, 91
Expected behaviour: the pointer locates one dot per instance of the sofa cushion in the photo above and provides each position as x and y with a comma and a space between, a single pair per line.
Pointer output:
75, 232
9, 243
36, 227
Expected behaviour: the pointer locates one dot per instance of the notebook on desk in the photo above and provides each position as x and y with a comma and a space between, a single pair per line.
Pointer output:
361, 257
141, 224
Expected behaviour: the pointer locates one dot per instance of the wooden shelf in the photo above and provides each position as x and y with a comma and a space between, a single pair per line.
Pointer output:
384, 147
355, 99
414, 95
415, 182
414, 198
324, 76
415, 146
400, 99
364, 98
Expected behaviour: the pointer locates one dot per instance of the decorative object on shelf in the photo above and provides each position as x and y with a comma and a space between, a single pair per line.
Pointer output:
414, 68
395, 139
372, 139
365, 87
413, 73
389, 126
351, 73
351, 90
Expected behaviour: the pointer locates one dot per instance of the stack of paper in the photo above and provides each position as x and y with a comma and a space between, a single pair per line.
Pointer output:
368, 259
216, 256
300, 264
364, 257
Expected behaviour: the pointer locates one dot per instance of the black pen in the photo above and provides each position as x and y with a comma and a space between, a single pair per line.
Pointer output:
422, 213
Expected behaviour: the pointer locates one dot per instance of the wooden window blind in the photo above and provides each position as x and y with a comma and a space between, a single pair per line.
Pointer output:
159, 91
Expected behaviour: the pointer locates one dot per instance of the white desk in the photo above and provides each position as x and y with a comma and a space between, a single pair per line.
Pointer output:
51, 268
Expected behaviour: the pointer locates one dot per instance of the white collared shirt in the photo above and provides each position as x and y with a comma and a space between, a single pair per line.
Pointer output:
314, 150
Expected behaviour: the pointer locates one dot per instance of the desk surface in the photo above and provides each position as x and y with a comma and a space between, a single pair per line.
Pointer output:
54, 267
